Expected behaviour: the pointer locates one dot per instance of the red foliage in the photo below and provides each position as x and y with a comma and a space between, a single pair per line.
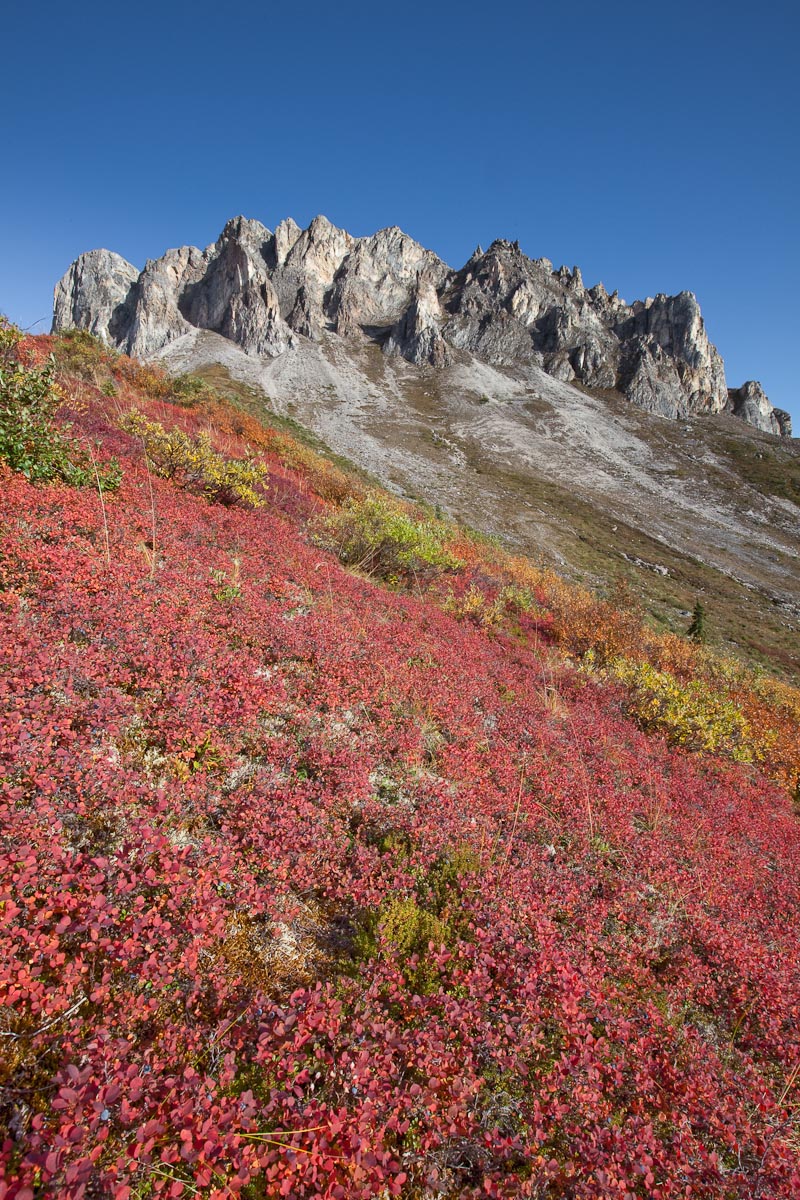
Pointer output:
207, 793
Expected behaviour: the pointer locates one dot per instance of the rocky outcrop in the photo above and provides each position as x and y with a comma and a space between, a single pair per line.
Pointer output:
265, 290
784, 420
94, 288
750, 404
666, 341
304, 278
151, 318
377, 281
417, 335
234, 296
506, 307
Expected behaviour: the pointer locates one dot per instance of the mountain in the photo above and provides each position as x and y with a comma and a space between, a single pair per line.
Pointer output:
505, 394
266, 291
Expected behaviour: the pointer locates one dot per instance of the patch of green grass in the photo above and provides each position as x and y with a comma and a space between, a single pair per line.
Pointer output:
773, 471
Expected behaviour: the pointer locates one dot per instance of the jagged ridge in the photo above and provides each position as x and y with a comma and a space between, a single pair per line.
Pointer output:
266, 290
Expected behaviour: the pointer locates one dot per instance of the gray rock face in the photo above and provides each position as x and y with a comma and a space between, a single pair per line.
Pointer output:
150, 317
377, 281
265, 291
234, 296
417, 334
305, 276
667, 341
505, 307
88, 296
286, 235
750, 404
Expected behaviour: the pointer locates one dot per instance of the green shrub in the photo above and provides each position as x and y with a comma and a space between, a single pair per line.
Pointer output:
195, 465
188, 389
30, 440
382, 537
80, 353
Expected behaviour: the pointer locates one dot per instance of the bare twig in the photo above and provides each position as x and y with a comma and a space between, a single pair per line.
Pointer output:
48, 1024
102, 504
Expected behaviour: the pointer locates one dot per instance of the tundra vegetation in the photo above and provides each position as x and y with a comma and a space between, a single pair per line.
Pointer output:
346, 855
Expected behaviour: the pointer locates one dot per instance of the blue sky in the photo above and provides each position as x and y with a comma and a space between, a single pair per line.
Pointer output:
657, 146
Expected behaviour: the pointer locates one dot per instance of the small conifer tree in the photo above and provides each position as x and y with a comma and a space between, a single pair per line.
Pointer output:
697, 625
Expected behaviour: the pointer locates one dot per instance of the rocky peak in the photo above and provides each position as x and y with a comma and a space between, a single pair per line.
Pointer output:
151, 318
666, 343
286, 234
321, 247
94, 287
251, 235
264, 291
378, 279
234, 295
750, 404
309, 266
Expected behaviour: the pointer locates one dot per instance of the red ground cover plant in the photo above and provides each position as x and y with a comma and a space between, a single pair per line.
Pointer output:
310, 888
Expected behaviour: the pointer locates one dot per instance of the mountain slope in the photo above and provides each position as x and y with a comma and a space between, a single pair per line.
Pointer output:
464, 388
317, 885
587, 483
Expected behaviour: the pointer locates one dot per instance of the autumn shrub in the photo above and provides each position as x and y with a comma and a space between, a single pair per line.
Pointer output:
80, 353
474, 605
194, 464
690, 714
327, 480
149, 380
31, 440
187, 390
486, 610
382, 537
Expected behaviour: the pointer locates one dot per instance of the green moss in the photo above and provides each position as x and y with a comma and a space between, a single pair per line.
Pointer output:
409, 929
403, 928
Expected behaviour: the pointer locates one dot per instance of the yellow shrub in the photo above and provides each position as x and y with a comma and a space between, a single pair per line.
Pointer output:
194, 464
691, 714
475, 606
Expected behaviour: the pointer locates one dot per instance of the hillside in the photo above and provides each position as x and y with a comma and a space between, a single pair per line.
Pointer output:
587, 484
596, 436
345, 853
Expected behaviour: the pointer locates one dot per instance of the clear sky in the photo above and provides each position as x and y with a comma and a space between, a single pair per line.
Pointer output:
655, 145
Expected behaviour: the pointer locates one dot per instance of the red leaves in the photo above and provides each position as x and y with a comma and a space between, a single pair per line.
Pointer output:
205, 810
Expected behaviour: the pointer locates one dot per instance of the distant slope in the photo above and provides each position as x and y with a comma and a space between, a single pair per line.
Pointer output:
587, 481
